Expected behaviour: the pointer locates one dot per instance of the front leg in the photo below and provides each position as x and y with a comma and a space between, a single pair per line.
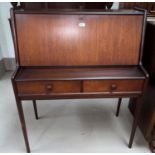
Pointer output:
23, 125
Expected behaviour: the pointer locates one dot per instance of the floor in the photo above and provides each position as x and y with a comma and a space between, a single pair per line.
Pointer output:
67, 125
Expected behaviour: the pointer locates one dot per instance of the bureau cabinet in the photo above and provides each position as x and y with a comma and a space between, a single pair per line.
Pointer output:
74, 54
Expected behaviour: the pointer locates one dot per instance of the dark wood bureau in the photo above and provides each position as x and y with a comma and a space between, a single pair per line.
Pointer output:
77, 54
147, 116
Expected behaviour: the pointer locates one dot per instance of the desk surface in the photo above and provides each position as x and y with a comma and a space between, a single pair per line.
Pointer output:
31, 74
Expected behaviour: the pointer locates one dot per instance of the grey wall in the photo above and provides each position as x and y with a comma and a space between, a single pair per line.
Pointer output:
6, 43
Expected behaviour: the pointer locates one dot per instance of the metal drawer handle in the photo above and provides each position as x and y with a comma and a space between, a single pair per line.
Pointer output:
113, 87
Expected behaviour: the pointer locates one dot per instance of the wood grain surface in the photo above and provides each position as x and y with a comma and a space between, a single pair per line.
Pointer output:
58, 40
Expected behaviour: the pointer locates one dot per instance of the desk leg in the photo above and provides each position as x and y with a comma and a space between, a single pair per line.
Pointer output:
23, 125
35, 109
135, 122
118, 107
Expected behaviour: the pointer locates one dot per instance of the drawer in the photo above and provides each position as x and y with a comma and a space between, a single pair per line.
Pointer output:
48, 87
113, 85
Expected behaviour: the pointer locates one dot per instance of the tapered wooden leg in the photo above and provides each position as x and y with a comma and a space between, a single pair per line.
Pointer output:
35, 109
135, 122
118, 106
23, 125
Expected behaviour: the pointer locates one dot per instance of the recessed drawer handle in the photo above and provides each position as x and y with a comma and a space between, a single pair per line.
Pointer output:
49, 87
113, 87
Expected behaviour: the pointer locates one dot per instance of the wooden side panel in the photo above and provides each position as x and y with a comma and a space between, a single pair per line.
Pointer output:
50, 40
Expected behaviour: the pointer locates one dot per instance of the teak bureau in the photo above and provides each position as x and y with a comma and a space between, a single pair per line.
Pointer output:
68, 54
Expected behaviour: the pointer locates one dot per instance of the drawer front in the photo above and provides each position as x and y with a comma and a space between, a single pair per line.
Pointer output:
48, 87
113, 85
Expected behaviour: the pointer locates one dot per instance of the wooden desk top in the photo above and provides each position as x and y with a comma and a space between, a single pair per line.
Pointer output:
80, 73
79, 11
